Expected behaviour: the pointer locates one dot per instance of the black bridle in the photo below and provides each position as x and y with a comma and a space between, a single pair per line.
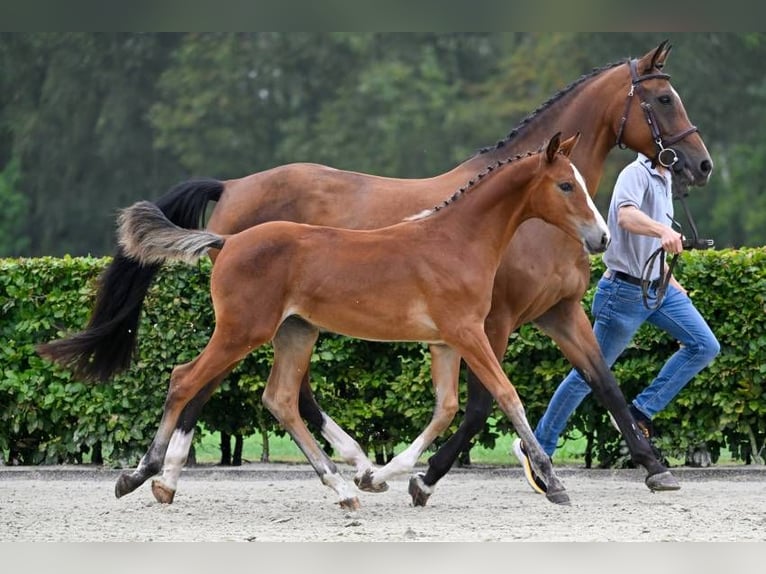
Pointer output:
666, 155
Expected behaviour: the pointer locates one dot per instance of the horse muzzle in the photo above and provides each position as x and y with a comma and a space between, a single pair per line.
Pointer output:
696, 173
596, 240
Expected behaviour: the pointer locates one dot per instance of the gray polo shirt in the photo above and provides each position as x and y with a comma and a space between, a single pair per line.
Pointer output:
647, 189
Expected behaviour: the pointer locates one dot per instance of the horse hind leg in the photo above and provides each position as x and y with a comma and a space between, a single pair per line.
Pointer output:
445, 371
293, 344
342, 443
186, 382
164, 488
477, 409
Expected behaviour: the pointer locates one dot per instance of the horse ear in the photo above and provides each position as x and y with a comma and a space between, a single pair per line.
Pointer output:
553, 147
568, 144
655, 59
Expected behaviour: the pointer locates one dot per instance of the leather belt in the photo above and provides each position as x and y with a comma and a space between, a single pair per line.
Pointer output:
630, 279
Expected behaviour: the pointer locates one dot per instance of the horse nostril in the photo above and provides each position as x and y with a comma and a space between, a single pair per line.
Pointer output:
706, 166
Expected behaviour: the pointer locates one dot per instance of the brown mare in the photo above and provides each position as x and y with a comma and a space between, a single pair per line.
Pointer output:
426, 279
605, 105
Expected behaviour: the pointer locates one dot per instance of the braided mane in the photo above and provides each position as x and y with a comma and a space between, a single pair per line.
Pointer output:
472, 183
544, 106
514, 133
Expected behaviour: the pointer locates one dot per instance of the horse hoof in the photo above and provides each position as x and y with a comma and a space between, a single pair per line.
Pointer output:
560, 497
662, 481
162, 493
350, 503
124, 485
419, 490
365, 483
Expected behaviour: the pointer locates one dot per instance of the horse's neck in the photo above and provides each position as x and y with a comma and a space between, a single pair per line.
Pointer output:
489, 213
575, 111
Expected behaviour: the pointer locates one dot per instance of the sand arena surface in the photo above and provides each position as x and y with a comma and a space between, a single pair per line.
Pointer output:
278, 502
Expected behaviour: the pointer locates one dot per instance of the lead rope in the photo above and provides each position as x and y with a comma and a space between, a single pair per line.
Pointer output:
653, 302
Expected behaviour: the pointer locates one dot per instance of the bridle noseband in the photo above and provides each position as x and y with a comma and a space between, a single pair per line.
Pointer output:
666, 155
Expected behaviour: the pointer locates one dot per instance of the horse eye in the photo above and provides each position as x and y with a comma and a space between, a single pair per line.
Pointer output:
566, 187
665, 100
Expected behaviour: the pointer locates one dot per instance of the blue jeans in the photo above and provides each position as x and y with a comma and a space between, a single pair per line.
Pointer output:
619, 312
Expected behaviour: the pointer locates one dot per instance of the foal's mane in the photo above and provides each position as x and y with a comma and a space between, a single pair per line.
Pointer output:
471, 184
547, 104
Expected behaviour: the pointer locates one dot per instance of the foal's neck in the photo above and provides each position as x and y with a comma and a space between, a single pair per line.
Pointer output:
490, 208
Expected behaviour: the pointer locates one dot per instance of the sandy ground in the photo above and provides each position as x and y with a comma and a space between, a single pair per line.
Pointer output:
274, 502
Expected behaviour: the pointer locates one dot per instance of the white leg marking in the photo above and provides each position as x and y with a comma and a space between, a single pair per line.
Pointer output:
348, 449
403, 462
175, 458
339, 485
422, 485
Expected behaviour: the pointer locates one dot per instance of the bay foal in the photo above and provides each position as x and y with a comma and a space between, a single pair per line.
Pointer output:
427, 279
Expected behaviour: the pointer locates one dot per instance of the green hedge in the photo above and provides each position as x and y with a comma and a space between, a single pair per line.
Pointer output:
381, 393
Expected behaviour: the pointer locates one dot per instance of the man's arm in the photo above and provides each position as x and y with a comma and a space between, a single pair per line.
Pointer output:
636, 221
632, 219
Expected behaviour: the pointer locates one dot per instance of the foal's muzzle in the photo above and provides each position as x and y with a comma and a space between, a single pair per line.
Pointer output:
596, 242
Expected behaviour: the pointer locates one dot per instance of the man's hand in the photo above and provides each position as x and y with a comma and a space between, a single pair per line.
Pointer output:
672, 241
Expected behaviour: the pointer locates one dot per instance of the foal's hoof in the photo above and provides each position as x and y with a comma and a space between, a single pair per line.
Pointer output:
662, 481
350, 503
124, 485
364, 483
560, 497
162, 493
419, 490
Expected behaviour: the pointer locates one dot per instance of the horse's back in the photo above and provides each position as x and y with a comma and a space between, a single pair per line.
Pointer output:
322, 195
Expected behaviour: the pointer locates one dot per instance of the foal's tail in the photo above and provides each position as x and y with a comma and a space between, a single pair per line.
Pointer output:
150, 238
108, 343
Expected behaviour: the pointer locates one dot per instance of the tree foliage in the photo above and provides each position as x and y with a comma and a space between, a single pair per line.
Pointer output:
90, 122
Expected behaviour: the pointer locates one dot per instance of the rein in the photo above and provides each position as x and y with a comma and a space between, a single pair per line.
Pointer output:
666, 155
695, 242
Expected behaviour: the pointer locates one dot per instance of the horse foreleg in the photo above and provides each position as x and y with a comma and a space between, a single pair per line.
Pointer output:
477, 410
293, 344
478, 406
346, 447
477, 353
568, 325
445, 371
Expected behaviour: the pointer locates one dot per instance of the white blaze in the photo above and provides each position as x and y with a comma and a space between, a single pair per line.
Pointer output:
599, 219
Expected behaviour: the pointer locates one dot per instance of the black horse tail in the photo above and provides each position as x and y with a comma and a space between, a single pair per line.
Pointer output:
108, 343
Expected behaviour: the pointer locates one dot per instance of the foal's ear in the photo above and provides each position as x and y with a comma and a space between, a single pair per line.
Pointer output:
553, 147
568, 144
655, 59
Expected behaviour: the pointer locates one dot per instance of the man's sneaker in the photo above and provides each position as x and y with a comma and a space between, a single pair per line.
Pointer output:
534, 481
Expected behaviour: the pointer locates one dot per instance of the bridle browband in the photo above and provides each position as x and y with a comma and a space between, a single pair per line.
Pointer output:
666, 155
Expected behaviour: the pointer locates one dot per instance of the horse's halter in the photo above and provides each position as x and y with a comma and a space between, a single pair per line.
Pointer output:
666, 155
